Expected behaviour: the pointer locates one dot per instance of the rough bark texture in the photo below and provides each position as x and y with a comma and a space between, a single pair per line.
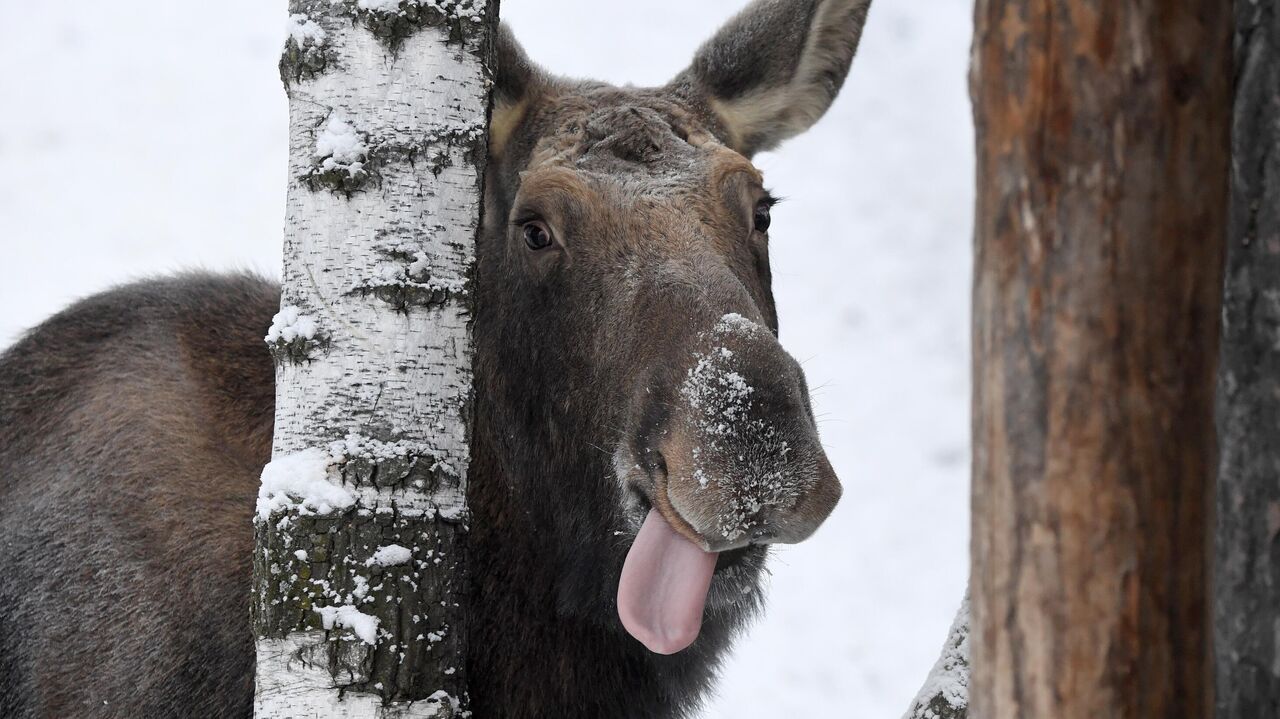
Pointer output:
361, 522
1102, 173
945, 694
1247, 578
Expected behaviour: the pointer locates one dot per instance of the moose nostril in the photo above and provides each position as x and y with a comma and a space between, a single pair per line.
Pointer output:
654, 463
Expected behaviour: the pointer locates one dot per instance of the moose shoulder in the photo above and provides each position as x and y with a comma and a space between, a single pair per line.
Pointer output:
640, 435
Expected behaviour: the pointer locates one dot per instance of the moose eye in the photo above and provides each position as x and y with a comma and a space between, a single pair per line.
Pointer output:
762, 218
537, 236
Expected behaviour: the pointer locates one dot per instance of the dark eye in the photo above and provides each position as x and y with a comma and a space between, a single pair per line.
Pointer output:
537, 236
762, 218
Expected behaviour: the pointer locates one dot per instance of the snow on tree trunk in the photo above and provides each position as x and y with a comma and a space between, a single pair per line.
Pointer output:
1103, 157
945, 694
358, 571
1247, 572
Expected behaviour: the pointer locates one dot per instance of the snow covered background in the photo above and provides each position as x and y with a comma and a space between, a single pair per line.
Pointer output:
141, 137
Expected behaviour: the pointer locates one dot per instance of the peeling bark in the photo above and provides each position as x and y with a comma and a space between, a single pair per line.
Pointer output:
1102, 175
373, 350
1247, 569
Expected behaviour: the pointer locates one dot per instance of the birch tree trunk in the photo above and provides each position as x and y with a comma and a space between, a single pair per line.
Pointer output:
358, 573
1247, 573
1103, 157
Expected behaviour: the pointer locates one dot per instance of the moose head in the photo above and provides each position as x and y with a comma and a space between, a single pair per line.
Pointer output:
654, 429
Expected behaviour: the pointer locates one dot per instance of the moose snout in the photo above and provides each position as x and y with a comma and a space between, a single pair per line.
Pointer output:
742, 460
727, 505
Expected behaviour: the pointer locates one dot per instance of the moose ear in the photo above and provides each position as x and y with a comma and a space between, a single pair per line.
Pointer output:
516, 81
773, 70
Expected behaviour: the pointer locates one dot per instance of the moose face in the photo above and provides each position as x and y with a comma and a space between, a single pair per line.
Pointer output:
628, 327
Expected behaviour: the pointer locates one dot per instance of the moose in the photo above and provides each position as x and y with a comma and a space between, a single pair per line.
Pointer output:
623, 302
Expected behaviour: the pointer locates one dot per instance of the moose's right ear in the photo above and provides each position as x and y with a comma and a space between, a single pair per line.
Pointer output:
773, 70
516, 81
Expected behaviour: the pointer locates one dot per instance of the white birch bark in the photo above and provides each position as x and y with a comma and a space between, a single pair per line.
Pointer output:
945, 694
361, 517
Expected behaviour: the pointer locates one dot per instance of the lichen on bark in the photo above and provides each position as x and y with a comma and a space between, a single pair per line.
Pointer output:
304, 60
394, 21
328, 566
297, 350
433, 147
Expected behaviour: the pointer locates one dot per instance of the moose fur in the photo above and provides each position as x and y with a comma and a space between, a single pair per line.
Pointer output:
135, 424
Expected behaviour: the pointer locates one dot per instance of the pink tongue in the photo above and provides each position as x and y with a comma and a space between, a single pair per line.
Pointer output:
664, 587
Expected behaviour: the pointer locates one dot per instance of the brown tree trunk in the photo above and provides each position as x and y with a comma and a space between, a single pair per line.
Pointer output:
1247, 573
1103, 156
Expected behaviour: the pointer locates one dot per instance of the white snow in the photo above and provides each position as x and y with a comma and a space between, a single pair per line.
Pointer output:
441, 696
713, 388
356, 446
467, 9
721, 396
399, 275
734, 322
365, 626
870, 252
719, 400
390, 555
380, 5
949, 678
303, 30
301, 481
420, 264
289, 324
339, 145
361, 588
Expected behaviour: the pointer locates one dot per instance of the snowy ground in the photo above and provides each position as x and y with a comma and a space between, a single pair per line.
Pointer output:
142, 137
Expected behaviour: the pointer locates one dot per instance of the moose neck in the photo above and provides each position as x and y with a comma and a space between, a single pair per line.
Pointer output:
544, 637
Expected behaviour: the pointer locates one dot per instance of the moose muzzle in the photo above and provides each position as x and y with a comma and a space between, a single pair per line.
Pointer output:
739, 463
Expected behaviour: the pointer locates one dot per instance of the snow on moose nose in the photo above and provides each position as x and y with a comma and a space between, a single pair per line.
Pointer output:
744, 461
743, 465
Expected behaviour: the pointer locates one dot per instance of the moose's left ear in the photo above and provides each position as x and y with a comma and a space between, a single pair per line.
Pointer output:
773, 70
516, 85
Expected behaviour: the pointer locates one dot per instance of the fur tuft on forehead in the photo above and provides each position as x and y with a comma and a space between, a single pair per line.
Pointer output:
620, 131
630, 132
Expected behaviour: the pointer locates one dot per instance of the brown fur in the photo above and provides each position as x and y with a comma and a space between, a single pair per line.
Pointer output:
133, 426
129, 439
